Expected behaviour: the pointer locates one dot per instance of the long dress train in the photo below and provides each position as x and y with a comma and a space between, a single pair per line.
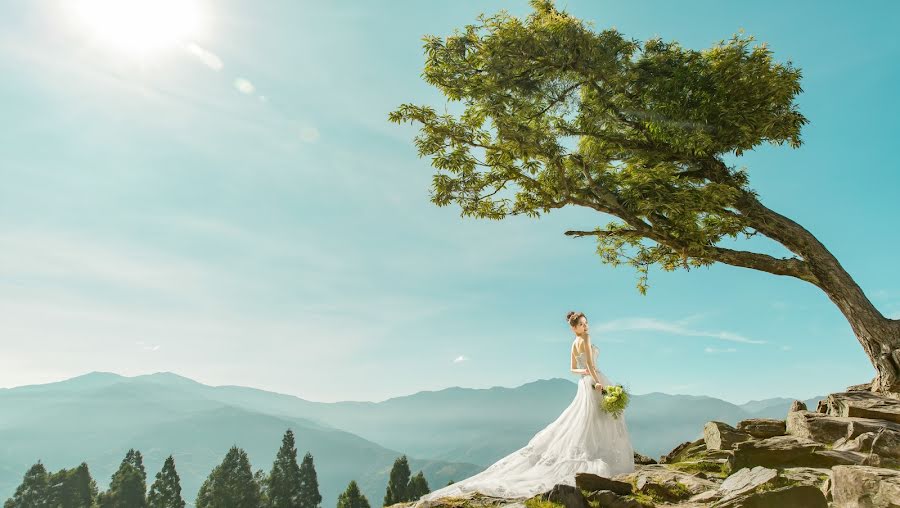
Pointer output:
583, 438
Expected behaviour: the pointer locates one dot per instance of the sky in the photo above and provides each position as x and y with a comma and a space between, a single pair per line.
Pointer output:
215, 190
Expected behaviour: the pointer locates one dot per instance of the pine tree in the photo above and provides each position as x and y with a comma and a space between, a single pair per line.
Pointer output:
32, 492
309, 484
231, 484
284, 480
134, 458
262, 480
418, 487
398, 482
128, 488
352, 497
166, 490
72, 488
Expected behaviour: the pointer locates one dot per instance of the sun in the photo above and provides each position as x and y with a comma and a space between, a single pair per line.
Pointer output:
138, 26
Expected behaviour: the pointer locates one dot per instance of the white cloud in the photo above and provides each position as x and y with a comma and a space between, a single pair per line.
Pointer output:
207, 57
713, 350
786, 348
676, 328
309, 134
460, 359
244, 86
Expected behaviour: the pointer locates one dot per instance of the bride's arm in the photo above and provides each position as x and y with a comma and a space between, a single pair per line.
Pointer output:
589, 360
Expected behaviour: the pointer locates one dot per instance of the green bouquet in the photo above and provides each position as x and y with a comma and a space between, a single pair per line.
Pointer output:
615, 400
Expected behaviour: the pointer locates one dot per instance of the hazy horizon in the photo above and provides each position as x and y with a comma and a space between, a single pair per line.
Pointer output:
405, 394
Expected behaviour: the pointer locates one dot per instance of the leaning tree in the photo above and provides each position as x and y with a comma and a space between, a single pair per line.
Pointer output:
562, 114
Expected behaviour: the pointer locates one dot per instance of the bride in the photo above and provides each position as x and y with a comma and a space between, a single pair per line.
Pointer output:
583, 438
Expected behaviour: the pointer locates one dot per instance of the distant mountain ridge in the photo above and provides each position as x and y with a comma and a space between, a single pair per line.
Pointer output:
450, 433
97, 417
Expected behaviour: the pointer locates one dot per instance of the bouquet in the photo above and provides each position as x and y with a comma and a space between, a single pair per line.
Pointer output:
615, 400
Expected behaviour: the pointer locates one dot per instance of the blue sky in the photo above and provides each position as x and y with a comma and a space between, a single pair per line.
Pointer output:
237, 209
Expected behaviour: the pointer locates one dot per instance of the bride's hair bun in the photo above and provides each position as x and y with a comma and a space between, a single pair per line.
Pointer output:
572, 317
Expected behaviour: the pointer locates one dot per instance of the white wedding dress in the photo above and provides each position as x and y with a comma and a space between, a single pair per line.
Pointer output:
583, 438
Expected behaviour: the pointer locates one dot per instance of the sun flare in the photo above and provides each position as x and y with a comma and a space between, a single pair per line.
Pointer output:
138, 26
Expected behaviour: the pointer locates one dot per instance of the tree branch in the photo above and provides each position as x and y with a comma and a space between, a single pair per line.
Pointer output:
791, 267
601, 233
562, 96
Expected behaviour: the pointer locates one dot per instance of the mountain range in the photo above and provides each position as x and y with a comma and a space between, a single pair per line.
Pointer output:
449, 434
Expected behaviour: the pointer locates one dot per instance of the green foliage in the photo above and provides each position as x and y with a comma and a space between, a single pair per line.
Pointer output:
398, 483
708, 467
134, 458
615, 400
166, 490
641, 498
680, 490
537, 502
283, 488
262, 481
776, 483
352, 497
231, 484
309, 483
32, 492
417, 487
666, 492
72, 488
561, 115
128, 487
66, 488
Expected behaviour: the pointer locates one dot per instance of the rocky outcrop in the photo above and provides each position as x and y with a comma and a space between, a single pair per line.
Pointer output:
818, 477
864, 486
665, 484
468, 500
846, 454
774, 451
745, 480
816, 426
793, 496
642, 459
862, 425
721, 436
797, 405
609, 499
592, 482
566, 495
762, 428
786, 451
767, 487
685, 448
862, 404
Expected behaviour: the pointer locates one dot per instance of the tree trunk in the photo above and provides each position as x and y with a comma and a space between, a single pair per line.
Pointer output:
878, 335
